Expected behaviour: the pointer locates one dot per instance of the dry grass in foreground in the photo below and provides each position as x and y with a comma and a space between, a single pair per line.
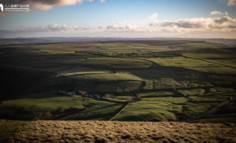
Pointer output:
109, 131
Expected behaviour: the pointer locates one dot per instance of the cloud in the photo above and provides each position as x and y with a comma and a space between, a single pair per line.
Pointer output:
181, 23
231, 2
89, 28
226, 13
51, 28
128, 28
125, 27
228, 2
216, 12
102, 1
224, 22
154, 16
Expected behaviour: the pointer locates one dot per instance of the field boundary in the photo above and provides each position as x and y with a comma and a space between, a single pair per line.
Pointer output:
119, 111
210, 62
211, 111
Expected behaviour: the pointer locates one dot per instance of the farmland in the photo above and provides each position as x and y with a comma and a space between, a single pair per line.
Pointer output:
161, 80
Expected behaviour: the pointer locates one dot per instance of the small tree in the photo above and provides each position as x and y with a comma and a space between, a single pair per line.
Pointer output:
126, 91
119, 90
83, 93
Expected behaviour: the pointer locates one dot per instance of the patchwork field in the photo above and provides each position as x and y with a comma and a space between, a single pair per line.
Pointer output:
115, 80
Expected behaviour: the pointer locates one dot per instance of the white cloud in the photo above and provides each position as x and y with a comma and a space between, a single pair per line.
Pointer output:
154, 16
226, 13
125, 27
216, 12
205, 26
89, 28
52, 28
231, 2
128, 28
102, 1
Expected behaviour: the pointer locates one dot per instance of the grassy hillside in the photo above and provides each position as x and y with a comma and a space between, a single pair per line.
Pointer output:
17, 81
162, 80
226, 114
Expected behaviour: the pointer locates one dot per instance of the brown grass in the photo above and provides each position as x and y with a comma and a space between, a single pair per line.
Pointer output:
109, 131
7, 128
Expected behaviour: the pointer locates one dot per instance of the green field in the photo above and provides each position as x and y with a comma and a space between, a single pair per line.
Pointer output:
106, 77
44, 105
162, 109
163, 80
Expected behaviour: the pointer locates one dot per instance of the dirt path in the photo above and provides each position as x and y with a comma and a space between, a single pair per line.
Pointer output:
119, 112
210, 111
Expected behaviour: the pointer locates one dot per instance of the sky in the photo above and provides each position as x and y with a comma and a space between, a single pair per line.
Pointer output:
120, 18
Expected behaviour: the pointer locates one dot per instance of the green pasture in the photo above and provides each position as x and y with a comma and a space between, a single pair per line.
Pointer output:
122, 98
151, 109
226, 62
121, 47
162, 109
42, 106
200, 44
174, 77
119, 87
33, 106
168, 83
180, 62
99, 110
82, 70
198, 65
208, 94
220, 89
115, 63
190, 92
226, 115
209, 56
221, 70
156, 94
106, 77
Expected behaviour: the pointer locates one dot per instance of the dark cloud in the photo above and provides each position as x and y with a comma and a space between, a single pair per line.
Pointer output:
182, 24
198, 23
222, 20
